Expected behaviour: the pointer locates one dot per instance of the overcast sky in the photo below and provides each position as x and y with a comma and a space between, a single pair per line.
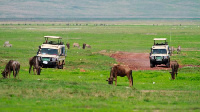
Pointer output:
99, 8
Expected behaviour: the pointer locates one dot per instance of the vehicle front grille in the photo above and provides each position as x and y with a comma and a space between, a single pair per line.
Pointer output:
45, 59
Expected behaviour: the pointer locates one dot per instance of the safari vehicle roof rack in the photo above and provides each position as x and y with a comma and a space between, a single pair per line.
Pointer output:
160, 39
59, 42
55, 37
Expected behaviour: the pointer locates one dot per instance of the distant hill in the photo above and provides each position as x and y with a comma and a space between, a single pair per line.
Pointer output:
99, 8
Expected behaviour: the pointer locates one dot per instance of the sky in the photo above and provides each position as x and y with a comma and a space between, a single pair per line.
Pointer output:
99, 8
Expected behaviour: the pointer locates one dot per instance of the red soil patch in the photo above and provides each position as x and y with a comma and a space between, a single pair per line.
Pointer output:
136, 61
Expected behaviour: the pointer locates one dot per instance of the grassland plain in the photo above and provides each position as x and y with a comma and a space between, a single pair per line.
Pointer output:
72, 90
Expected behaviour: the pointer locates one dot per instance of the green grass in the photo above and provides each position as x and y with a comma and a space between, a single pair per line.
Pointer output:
72, 90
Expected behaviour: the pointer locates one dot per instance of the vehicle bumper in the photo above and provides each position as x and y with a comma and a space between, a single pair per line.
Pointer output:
47, 63
163, 61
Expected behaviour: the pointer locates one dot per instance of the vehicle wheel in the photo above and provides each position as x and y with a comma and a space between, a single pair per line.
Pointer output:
168, 64
60, 66
152, 65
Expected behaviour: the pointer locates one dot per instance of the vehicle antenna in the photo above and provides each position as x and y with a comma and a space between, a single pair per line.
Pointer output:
170, 35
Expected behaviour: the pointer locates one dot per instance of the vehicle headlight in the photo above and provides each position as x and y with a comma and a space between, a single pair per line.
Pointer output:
166, 57
53, 59
152, 57
39, 58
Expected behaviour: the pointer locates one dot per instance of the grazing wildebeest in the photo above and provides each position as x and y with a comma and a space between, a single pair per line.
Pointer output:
76, 45
11, 66
68, 45
88, 46
33, 61
7, 44
84, 45
179, 49
171, 49
120, 70
174, 66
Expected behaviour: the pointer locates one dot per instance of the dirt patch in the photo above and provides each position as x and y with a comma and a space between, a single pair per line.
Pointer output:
136, 61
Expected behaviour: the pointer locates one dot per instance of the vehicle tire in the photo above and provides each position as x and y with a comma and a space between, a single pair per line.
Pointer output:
60, 66
152, 65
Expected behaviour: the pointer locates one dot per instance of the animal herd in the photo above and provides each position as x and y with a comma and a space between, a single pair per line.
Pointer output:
77, 45
116, 70
172, 49
14, 66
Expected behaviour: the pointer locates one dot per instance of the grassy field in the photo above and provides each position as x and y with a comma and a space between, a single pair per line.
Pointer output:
72, 90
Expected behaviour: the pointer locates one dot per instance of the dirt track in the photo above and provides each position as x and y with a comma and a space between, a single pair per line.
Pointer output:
136, 61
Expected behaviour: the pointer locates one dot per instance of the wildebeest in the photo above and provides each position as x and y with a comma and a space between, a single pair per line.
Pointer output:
178, 49
68, 45
171, 49
84, 45
174, 66
76, 45
88, 46
33, 61
7, 44
120, 70
11, 66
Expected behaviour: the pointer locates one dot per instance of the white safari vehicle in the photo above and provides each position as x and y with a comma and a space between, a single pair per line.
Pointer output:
52, 53
160, 53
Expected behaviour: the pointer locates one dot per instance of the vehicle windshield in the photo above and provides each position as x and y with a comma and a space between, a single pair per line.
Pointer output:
49, 51
159, 51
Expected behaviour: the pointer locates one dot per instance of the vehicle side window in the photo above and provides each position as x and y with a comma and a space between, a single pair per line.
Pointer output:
62, 51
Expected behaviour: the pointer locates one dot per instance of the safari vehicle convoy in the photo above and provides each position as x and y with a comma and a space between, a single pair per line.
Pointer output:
160, 53
52, 53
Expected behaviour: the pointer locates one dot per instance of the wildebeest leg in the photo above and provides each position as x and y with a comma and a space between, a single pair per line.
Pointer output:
34, 70
131, 77
9, 73
130, 80
17, 73
14, 73
37, 71
30, 69
172, 74
115, 79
